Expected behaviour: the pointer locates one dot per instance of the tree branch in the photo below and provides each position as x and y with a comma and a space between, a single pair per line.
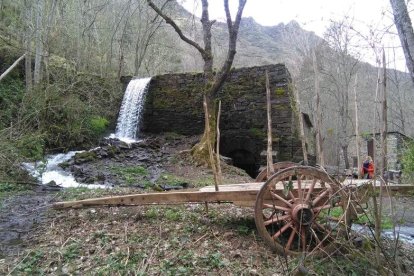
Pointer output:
233, 32
177, 29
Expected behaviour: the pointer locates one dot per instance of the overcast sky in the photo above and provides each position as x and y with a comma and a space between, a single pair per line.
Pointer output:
315, 16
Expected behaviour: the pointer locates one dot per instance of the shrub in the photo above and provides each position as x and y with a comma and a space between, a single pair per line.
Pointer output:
31, 146
98, 125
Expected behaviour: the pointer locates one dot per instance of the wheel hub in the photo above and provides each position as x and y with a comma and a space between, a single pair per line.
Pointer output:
302, 214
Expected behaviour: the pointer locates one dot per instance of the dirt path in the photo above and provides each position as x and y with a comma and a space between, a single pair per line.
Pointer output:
20, 216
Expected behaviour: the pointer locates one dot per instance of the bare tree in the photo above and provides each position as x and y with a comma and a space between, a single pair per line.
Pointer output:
39, 12
28, 44
214, 82
405, 32
340, 69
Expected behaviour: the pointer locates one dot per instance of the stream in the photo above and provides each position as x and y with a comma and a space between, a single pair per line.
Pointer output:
49, 171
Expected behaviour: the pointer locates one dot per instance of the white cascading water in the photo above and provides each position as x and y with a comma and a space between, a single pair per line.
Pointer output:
131, 110
126, 130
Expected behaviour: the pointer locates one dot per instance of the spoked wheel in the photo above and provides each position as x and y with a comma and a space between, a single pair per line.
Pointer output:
294, 208
262, 176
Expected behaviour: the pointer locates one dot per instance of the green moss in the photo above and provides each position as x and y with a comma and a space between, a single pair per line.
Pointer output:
281, 107
259, 133
280, 91
86, 156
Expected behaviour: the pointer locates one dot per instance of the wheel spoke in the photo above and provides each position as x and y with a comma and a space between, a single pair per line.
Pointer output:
276, 207
318, 209
319, 197
293, 221
277, 219
278, 197
281, 230
303, 237
290, 240
312, 186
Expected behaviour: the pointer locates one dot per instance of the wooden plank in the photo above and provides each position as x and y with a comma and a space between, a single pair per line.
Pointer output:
240, 194
163, 198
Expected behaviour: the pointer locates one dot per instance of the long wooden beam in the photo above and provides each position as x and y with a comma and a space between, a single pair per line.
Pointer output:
163, 198
240, 194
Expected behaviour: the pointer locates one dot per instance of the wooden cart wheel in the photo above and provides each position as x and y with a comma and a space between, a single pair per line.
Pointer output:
262, 176
293, 210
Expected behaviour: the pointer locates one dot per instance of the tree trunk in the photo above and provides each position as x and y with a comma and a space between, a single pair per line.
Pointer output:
200, 150
213, 82
384, 118
319, 142
301, 128
269, 162
46, 44
405, 32
345, 153
357, 138
28, 46
39, 42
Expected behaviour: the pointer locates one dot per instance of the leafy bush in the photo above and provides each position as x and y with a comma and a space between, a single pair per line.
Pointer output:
31, 146
98, 125
11, 93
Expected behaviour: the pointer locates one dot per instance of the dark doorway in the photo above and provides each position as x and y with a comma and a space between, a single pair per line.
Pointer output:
245, 160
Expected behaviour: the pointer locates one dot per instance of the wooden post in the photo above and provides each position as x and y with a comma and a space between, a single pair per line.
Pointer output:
269, 165
219, 175
384, 117
357, 138
210, 148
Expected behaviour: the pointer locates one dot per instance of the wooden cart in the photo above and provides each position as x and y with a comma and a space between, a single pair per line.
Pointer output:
293, 209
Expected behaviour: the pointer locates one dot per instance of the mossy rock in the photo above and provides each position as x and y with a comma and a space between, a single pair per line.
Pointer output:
84, 157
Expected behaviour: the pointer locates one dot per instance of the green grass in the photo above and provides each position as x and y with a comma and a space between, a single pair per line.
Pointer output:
78, 193
30, 263
71, 251
368, 219
132, 174
365, 219
171, 180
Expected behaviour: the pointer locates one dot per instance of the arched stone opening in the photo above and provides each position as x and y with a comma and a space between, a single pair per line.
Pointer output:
243, 148
245, 160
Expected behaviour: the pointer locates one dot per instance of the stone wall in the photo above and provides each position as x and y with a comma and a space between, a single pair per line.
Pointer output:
174, 104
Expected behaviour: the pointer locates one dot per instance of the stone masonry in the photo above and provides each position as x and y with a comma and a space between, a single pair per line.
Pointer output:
174, 104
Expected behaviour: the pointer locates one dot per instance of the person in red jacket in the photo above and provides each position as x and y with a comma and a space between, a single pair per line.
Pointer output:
368, 168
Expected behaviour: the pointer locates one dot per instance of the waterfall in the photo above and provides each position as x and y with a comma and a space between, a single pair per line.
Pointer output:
131, 110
